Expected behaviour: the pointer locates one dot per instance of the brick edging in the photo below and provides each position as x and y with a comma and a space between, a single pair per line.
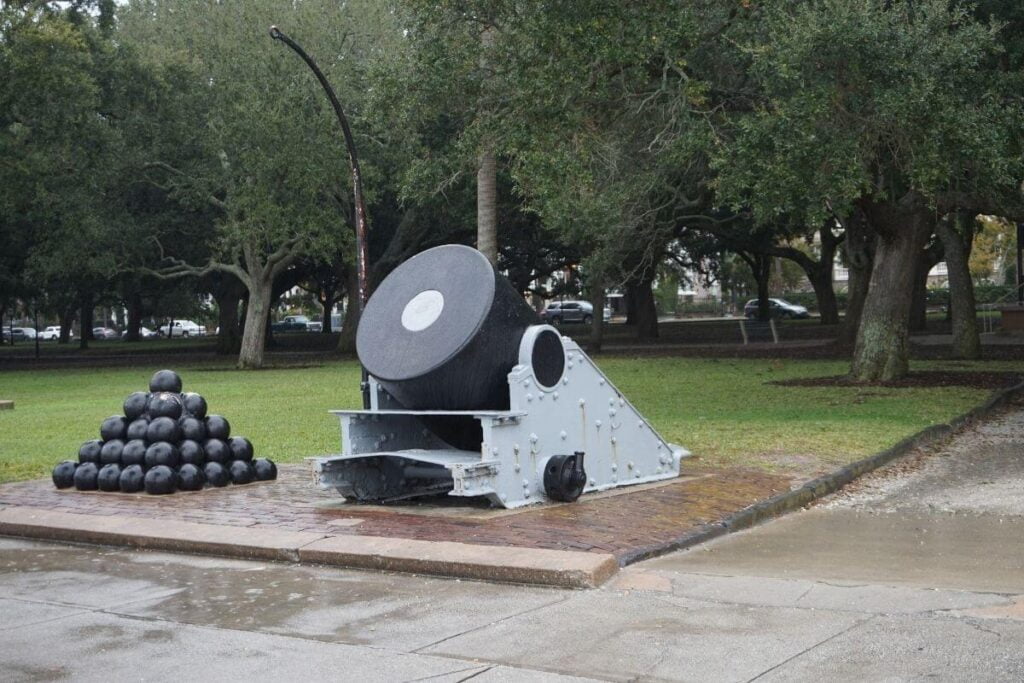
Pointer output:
822, 486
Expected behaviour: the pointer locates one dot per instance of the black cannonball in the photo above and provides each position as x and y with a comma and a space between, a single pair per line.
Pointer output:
241, 448
165, 380
134, 453
265, 469
191, 453
165, 405
132, 479
90, 451
162, 453
163, 429
135, 404
195, 405
85, 476
191, 478
216, 475
137, 429
109, 477
217, 451
114, 427
241, 472
161, 479
192, 428
64, 474
218, 427
110, 454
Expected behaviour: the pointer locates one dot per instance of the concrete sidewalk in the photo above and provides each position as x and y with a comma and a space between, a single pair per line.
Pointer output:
915, 572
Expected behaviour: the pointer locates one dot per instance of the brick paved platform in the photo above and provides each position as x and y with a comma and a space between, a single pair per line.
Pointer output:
632, 520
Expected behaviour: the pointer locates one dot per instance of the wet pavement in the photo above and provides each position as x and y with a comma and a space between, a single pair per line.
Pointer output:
915, 572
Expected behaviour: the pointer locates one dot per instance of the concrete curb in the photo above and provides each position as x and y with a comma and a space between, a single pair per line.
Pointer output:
462, 560
825, 485
556, 568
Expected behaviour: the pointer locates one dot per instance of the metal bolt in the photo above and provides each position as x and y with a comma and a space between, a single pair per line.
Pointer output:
601, 381
563, 435
565, 380
615, 468
611, 401
583, 402
554, 396
540, 397
614, 440
526, 483
630, 464
611, 411
533, 438
597, 423
529, 397
494, 451
526, 382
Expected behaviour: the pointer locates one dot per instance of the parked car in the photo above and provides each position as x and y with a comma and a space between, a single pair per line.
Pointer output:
18, 334
52, 333
780, 308
315, 326
182, 328
144, 333
559, 312
104, 333
291, 323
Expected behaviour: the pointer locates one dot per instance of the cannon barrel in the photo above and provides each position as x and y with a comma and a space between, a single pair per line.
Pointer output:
442, 331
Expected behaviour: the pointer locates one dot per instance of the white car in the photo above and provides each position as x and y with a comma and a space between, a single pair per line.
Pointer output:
52, 333
183, 328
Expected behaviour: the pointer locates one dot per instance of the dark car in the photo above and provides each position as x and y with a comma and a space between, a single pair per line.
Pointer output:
559, 312
291, 323
780, 308
19, 334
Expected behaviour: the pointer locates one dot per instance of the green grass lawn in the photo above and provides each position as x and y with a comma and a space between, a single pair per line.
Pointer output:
724, 411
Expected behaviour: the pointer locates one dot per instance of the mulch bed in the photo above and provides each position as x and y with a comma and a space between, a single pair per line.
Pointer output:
937, 378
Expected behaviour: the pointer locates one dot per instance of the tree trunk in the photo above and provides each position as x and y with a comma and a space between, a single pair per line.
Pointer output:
134, 317
85, 321
966, 342
487, 173
229, 338
256, 315
825, 295
597, 323
882, 350
762, 270
67, 319
487, 206
645, 311
860, 250
327, 303
350, 323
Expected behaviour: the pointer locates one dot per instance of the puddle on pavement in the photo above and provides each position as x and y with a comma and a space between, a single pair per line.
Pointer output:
314, 602
954, 551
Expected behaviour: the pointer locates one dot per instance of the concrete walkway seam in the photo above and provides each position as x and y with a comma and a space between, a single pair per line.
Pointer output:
822, 486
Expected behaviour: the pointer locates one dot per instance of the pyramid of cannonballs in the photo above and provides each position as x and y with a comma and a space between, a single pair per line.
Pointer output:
164, 442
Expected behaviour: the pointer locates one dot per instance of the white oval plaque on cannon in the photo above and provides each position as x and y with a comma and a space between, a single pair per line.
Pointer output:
423, 310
